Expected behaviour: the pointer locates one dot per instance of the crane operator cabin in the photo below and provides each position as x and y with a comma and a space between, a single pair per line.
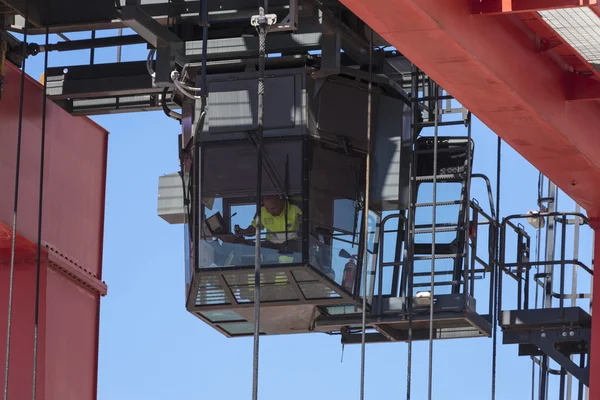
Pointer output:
313, 199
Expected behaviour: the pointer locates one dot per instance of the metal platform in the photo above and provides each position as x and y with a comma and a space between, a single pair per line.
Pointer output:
558, 333
545, 319
452, 319
291, 298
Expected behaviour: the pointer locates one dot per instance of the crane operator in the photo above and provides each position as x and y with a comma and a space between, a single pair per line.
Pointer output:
282, 225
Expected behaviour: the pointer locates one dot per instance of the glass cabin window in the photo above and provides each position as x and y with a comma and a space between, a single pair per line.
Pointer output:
336, 192
228, 189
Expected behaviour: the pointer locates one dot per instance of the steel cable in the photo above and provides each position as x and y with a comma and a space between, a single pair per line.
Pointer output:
366, 222
410, 225
15, 208
497, 273
433, 225
262, 53
40, 217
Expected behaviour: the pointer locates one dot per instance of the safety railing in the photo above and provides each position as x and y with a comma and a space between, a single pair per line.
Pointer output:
553, 284
475, 267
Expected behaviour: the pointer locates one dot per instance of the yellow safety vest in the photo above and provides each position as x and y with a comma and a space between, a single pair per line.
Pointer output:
277, 224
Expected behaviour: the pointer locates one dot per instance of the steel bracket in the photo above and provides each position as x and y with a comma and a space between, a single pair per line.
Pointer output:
289, 23
169, 48
268, 19
549, 342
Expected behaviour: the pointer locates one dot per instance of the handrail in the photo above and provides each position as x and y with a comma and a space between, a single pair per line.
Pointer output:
541, 279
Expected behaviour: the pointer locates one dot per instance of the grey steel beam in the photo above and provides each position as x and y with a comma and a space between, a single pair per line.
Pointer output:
147, 27
308, 37
187, 11
114, 104
331, 50
417, 335
168, 45
547, 342
100, 80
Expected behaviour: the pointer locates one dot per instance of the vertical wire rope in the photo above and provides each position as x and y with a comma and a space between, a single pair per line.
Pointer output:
262, 33
40, 218
15, 209
433, 227
366, 222
410, 225
497, 272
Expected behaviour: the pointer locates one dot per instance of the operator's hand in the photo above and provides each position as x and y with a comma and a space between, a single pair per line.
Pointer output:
299, 219
237, 230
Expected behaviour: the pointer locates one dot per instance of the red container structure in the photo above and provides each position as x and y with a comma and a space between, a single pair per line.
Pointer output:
72, 238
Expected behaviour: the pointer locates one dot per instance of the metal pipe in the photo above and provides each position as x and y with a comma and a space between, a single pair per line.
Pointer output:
506, 220
550, 241
553, 262
467, 211
204, 24
519, 272
576, 230
120, 47
563, 244
527, 273
94, 43
92, 51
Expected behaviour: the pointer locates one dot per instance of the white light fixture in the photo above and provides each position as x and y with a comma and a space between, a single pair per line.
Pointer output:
579, 27
422, 299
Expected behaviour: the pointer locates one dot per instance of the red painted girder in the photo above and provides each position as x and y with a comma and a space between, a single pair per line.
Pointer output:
548, 39
493, 69
72, 238
492, 7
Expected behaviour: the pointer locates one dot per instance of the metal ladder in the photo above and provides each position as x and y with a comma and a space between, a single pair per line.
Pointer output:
452, 214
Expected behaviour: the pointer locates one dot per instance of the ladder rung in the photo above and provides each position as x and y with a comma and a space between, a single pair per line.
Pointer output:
451, 149
428, 284
437, 230
436, 273
391, 264
425, 178
439, 203
438, 225
440, 248
437, 257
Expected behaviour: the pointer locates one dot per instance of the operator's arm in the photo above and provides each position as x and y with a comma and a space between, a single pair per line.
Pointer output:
249, 231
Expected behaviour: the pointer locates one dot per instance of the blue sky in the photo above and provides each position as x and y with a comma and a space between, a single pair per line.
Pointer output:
152, 348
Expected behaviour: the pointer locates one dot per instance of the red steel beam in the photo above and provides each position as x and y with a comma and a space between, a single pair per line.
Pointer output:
581, 88
494, 7
494, 69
